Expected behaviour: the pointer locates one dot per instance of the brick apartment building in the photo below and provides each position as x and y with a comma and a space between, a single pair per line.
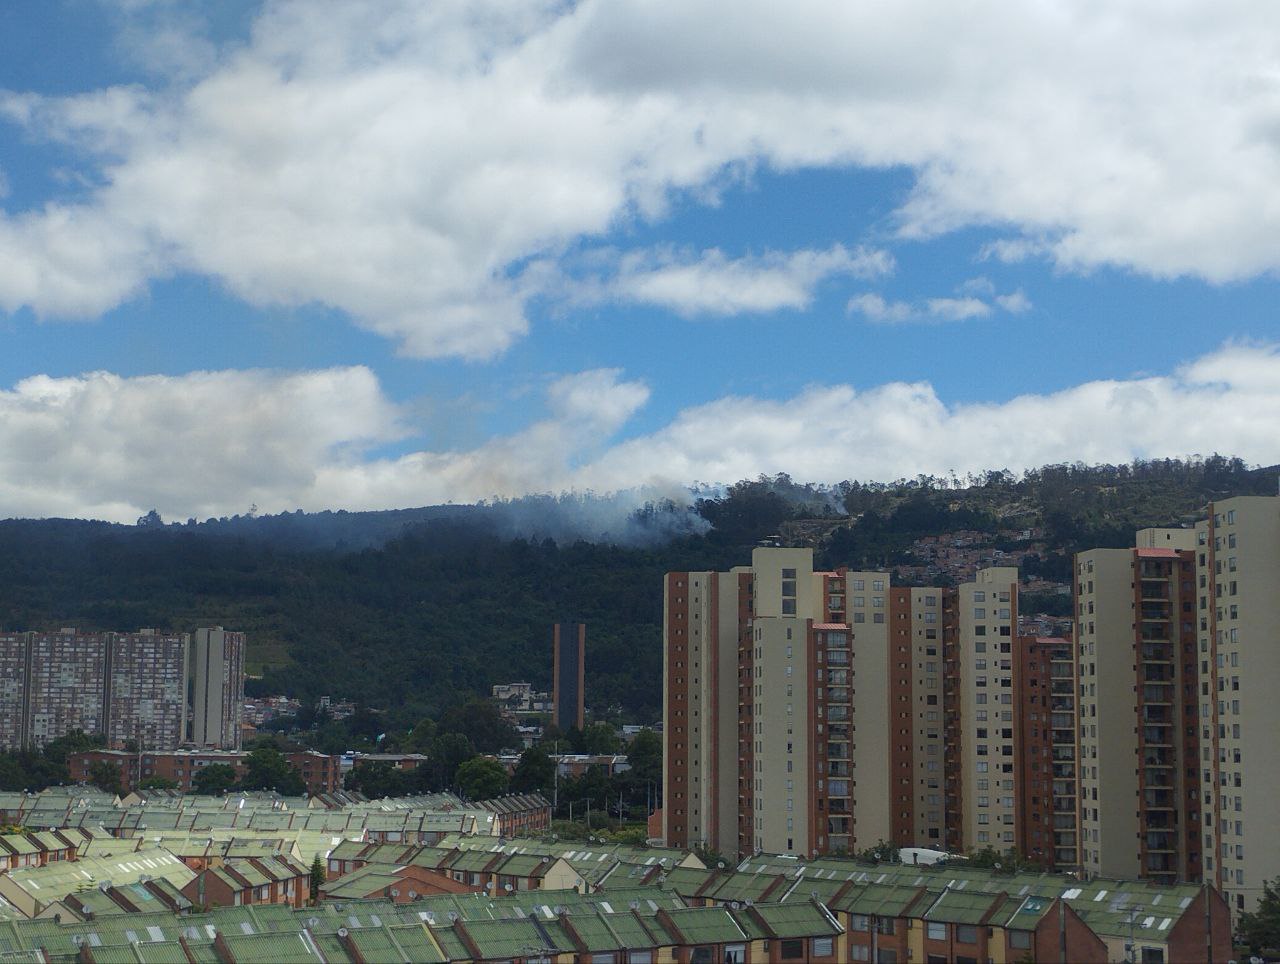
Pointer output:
320, 772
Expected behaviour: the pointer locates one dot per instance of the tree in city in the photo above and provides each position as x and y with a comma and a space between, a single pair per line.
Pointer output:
377, 780
267, 769
317, 877
159, 783
215, 779
644, 754
1260, 929
447, 752
479, 720
105, 776
535, 771
481, 778
600, 739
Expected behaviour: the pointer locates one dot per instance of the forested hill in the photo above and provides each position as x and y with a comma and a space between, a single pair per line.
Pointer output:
443, 602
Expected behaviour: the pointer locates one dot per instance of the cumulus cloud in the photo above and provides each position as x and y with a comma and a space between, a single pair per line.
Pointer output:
710, 283
964, 306
402, 161
213, 443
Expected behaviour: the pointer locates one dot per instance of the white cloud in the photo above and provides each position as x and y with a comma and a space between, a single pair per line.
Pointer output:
213, 443
398, 160
1015, 303
1226, 402
710, 283
965, 306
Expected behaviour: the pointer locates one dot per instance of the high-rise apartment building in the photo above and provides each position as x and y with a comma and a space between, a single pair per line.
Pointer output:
1178, 668
829, 711
1044, 700
217, 690
146, 695
130, 687
981, 783
1138, 679
1237, 589
568, 674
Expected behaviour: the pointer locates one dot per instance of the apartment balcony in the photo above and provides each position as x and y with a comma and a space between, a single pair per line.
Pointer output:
838, 805
837, 657
838, 731
837, 751
837, 713
1154, 590
1157, 654
1162, 674
1064, 800
1064, 753
1161, 863
838, 825
1064, 821
1157, 799
1059, 703
837, 694
1158, 758
1064, 770
1157, 736
837, 768
1154, 634
1157, 715
1061, 671
1157, 777
1157, 693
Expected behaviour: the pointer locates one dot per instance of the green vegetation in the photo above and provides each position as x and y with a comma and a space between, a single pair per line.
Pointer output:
422, 625
215, 779
481, 778
37, 769
1259, 929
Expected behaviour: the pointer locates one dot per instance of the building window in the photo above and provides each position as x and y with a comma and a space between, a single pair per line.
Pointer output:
936, 931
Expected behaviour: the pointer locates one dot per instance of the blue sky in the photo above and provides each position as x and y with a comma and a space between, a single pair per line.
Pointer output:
367, 255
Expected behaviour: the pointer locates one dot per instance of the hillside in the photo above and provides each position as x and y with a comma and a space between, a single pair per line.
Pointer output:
443, 602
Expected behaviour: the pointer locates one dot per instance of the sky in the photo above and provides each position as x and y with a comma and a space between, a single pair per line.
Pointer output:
338, 254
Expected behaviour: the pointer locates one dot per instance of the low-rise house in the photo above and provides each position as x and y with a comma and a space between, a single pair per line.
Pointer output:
400, 885
276, 879
30, 890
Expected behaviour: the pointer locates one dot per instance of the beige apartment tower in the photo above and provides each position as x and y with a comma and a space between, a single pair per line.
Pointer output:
761, 710
979, 707
827, 711
1237, 554
1138, 675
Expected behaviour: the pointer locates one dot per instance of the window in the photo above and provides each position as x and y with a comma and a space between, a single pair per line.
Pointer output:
936, 931
791, 950
1020, 940
966, 934
823, 947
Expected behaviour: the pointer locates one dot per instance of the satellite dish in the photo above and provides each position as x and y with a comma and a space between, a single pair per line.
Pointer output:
748, 902
343, 932
559, 909
313, 921
395, 891
635, 905
413, 895
77, 939
453, 916
733, 904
